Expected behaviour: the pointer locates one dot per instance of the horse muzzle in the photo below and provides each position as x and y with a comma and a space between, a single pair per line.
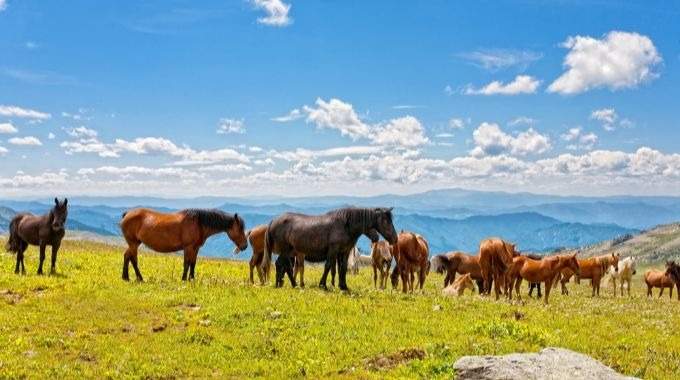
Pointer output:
243, 247
58, 227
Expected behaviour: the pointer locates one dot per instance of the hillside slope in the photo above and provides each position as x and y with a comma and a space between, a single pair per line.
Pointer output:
655, 245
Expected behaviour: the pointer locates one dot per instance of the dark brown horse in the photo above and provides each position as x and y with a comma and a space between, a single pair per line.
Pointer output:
458, 263
495, 258
185, 230
329, 236
48, 229
673, 272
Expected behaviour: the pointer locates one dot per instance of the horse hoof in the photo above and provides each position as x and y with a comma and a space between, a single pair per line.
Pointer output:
125, 278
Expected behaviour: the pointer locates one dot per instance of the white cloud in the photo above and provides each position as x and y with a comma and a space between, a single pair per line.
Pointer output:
131, 171
336, 114
522, 84
406, 106
51, 136
82, 132
25, 141
444, 135
619, 60
522, 120
229, 168
255, 149
7, 128
405, 132
448, 90
295, 114
490, 140
3, 151
578, 139
607, 116
3, 5
231, 126
277, 12
496, 59
301, 154
22, 180
14, 111
458, 123
30, 45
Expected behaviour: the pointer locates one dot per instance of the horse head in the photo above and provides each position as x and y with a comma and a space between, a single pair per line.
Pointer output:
237, 234
631, 264
673, 271
572, 263
384, 224
615, 262
59, 214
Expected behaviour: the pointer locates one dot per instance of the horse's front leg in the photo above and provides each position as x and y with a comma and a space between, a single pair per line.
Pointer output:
342, 269
43, 246
53, 259
330, 261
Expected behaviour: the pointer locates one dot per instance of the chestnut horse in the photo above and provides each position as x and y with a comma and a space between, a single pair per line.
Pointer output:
381, 253
48, 229
495, 258
411, 254
593, 268
326, 237
182, 230
458, 263
457, 288
536, 271
256, 240
658, 279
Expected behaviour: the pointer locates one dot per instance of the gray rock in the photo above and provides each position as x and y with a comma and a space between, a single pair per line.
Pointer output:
549, 363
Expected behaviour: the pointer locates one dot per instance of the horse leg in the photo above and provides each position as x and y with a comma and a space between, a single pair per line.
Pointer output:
330, 262
252, 266
614, 281
661, 291
375, 277
42, 257
53, 259
20, 268
342, 269
671, 292
301, 269
497, 287
548, 285
480, 286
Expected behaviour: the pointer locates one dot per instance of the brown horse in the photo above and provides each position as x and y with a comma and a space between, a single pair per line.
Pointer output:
663, 279
381, 253
673, 271
411, 253
458, 263
48, 229
495, 258
185, 230
326, 237
593, 268
256, 240
536, 271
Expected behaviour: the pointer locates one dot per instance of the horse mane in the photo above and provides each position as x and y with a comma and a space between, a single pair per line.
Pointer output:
213, 218
363, 217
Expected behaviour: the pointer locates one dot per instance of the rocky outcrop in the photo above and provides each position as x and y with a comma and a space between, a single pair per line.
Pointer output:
549, 363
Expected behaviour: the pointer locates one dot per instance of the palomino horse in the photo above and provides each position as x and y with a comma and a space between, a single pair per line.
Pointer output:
658, 279
329, 236
495, 258
458, 263
457, 288
411, 254
185, 230
544, 270
626, 270
48, 229
593, 268
381, 254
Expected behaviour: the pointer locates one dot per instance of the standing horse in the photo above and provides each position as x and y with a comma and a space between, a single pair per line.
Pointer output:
659, 279
495, 257
535, 285
673, 272
329, 236
593, 268
458, 263
544, 270
626, 270
411, 254
185, 230
48, 229
256, 240
381, 254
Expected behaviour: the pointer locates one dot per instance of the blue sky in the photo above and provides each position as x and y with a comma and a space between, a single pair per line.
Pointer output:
181, 98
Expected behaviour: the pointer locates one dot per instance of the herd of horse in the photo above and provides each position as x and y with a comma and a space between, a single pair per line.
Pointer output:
331, 239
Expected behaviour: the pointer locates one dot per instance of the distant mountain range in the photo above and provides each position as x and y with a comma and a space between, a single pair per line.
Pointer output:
451, 219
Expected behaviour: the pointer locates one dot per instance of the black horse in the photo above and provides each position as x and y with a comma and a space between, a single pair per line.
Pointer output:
44, 230
329, 236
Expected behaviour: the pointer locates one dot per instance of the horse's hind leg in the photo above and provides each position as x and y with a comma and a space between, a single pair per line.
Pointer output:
20, 267
43, 246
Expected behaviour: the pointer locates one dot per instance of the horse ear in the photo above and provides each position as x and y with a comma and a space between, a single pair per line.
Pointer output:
56, 201
236, 217
65, 201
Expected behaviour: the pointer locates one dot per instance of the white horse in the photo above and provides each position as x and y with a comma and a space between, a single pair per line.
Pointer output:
624, 274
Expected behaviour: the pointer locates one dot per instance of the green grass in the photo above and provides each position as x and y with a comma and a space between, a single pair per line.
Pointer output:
87, 322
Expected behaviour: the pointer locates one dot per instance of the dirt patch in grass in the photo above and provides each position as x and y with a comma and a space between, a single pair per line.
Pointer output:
385, 362
11, 297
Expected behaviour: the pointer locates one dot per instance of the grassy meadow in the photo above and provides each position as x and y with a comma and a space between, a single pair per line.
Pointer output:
87, 322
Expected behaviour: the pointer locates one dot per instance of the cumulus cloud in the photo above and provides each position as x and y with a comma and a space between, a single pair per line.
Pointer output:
607, 116
616, 61
8, 128
227, 126
522, 84
577, 139
81, 132
404, 131
14, 111
276, 10
336, 114
497, 59
25, 141
490, 140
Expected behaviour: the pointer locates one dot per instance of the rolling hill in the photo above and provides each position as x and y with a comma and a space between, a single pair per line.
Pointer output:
655, 245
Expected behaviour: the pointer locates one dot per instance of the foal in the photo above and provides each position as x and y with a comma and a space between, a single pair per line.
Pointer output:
381, 254
457, 288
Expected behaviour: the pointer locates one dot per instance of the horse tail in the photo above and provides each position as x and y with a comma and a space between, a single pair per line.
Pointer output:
267, 256
14, 242
439, 263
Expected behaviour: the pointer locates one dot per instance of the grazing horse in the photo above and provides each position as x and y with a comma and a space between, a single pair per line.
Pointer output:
626, 270
495, 258
544, 270
458, 263
48, 229
185, 230
411, 254
381, 254
673, 271
457, 288
329, 237
659, 279
593, 268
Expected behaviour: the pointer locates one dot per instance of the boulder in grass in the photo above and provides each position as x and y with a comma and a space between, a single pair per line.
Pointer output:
549, 363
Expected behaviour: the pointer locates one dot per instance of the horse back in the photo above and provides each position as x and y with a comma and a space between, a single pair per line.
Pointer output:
28, 226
